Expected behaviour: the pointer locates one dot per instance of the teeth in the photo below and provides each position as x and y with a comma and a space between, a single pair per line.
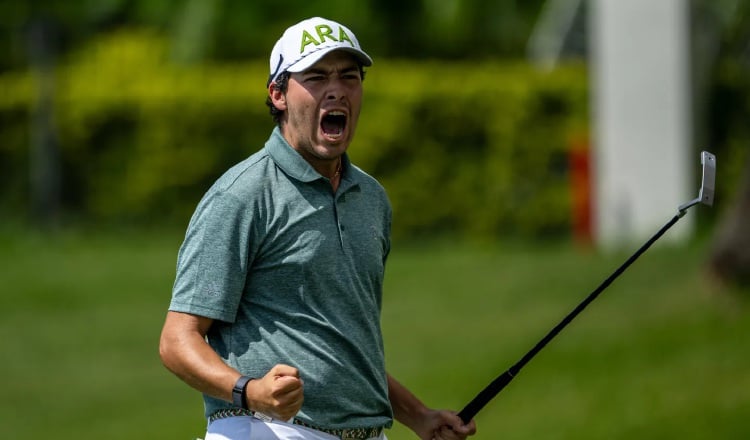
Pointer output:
336, 113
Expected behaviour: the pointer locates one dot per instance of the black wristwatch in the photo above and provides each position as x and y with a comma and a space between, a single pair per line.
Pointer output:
238, 392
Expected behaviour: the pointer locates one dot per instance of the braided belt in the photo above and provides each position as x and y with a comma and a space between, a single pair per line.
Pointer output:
343, 434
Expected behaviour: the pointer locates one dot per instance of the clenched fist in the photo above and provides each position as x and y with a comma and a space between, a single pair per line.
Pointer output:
278, 394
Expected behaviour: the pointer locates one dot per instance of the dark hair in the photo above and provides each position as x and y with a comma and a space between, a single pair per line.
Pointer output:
282, 83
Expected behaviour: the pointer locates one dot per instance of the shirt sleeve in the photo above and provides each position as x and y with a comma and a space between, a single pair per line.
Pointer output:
213, 260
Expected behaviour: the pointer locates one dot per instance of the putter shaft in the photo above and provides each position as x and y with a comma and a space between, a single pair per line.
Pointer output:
497, 385
705, 196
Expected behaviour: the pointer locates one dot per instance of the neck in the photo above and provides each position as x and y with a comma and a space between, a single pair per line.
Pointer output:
335, 178
337, 170
331, 169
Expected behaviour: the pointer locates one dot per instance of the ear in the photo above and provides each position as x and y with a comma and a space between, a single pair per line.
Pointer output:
278, 99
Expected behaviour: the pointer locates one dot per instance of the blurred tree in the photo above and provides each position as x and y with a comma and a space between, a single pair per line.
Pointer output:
44, 154
730, 255
240, 29
729, 110
194, 29
456, 29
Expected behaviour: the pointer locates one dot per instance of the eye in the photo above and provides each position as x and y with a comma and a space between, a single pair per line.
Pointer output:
350, 74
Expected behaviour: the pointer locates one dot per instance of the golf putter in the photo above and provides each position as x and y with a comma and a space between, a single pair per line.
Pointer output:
705, 196
706, 193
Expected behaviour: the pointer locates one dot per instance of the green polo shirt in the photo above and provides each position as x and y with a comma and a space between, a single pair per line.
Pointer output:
293, 273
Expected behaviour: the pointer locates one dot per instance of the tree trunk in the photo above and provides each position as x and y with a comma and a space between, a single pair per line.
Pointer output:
730, 255
44, 153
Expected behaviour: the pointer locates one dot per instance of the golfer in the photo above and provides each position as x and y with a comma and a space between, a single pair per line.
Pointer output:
275, 310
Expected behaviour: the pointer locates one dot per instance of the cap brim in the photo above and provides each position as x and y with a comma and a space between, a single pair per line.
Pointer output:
307, 62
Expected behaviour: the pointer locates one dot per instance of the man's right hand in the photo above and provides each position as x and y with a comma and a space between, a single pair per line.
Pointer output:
278, 394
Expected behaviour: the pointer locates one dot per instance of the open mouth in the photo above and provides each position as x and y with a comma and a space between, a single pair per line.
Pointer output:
333, 123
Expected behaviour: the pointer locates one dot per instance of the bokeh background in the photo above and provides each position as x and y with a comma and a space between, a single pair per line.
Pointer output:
116, 116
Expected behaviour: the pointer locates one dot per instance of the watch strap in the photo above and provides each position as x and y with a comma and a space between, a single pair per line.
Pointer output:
238, 392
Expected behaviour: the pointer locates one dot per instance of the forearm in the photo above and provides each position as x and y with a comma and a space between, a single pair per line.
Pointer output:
184, 351
407, 408
427, 423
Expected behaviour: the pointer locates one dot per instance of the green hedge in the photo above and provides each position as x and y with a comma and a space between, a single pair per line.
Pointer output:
479, 149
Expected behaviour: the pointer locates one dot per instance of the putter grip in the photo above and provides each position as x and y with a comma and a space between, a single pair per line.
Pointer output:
484, 396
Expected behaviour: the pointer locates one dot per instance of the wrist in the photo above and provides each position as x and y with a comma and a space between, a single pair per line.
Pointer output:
239, 397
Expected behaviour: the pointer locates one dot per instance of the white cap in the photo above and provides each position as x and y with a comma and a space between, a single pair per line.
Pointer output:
303, 44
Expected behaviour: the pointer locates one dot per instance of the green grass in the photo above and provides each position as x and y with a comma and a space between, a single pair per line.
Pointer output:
660, 354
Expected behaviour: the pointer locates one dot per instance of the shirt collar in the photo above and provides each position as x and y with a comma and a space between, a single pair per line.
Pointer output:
294, 165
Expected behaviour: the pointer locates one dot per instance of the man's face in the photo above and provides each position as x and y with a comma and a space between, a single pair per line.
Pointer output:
322, 107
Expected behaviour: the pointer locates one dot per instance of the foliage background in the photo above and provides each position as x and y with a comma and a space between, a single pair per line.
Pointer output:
141, 139
124, 111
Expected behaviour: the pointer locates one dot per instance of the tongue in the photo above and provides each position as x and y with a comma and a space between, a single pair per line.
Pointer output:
331, 126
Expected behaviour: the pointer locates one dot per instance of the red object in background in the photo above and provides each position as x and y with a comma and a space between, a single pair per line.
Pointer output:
579, 162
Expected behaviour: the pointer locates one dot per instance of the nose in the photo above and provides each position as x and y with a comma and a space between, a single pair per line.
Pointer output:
336, 90
335, 95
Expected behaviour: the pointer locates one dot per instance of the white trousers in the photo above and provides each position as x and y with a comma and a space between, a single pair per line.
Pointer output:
251, 428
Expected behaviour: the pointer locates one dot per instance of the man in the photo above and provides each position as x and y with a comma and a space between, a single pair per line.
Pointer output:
275, 314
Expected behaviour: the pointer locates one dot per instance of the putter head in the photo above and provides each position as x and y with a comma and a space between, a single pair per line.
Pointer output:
708, 181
